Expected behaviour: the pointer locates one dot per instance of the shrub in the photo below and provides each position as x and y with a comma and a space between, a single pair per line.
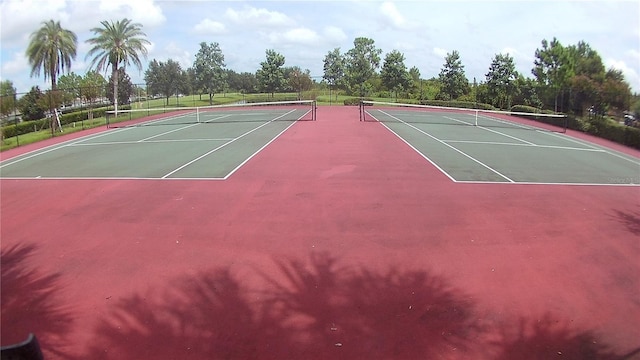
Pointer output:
355, 101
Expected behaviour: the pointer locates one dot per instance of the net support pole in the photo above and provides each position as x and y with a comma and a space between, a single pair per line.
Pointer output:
197, 114
476, 123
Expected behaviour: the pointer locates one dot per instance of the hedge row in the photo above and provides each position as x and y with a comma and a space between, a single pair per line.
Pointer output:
443, 103
65, 119
598, 126
610, 130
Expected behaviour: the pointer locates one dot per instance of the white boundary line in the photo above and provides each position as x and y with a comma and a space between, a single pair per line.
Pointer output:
79, 142
590, 148
223, 145
607, 150
526, 145
450, 146
54, 147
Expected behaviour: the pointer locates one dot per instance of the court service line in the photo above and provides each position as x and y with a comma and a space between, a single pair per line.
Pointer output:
178, 129
452, 147
527, 145
608, 151
458, 120
223, 145
55, 147
148, 141
509, 136
259, 150
548, 183
513, 124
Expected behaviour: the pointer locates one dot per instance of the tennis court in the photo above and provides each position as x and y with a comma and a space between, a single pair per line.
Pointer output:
328, 239
475, 146
198, 143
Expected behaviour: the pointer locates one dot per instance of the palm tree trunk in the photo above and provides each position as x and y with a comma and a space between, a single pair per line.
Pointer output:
114, 75
51, 100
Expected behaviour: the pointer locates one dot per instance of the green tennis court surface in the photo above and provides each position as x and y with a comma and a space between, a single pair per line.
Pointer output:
212, 143
485, 148
183, 147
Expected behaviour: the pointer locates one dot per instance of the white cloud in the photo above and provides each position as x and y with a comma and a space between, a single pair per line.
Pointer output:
630, 74
440, 52
300, 36
209, 27
392, 17
146, 12
391, 13
334, 34
175, 52
20, 18
634, 54
260, 18
16, 65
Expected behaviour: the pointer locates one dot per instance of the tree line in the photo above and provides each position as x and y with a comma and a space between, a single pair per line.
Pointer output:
565, 78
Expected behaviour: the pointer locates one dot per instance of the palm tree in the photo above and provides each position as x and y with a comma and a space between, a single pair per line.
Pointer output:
51, 50
117, 43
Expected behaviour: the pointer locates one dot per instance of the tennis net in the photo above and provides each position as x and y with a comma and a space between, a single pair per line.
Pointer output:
429, 114
239, 112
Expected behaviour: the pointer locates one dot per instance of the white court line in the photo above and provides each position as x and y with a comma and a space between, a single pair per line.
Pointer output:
259, 150
526, 145
54, 147
546, 183
450, 146
509, 136
460, 121
512, 124
223, 145
607, 150
133, 142
178, 129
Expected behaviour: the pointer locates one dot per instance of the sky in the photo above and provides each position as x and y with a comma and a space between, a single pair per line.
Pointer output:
305, 31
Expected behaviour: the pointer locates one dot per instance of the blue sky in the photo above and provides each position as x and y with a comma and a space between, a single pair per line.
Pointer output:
305, 31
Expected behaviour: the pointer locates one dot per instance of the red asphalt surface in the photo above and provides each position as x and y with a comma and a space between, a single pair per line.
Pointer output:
337, 241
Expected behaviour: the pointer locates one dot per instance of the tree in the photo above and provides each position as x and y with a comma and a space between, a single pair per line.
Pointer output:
501, 80
210, 76
361, 63
526, 92
51, 50
333, 69
70, 86
165, 78
247, 83
31, 105
394, 72
415, 85
125, 89
7, 98
271, 74
553, 68
616, 91
117, 43
300, 81
453, 81
92, 87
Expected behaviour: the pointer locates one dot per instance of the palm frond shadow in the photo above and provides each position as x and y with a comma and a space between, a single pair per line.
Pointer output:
630, 220
322, 308
550, 337
310, 310
30, 303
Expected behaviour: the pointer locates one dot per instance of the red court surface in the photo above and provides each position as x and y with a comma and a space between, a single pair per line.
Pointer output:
338, 241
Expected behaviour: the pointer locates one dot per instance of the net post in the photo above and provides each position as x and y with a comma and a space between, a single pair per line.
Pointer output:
476, 124
198, 114
360, 109
106, 116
